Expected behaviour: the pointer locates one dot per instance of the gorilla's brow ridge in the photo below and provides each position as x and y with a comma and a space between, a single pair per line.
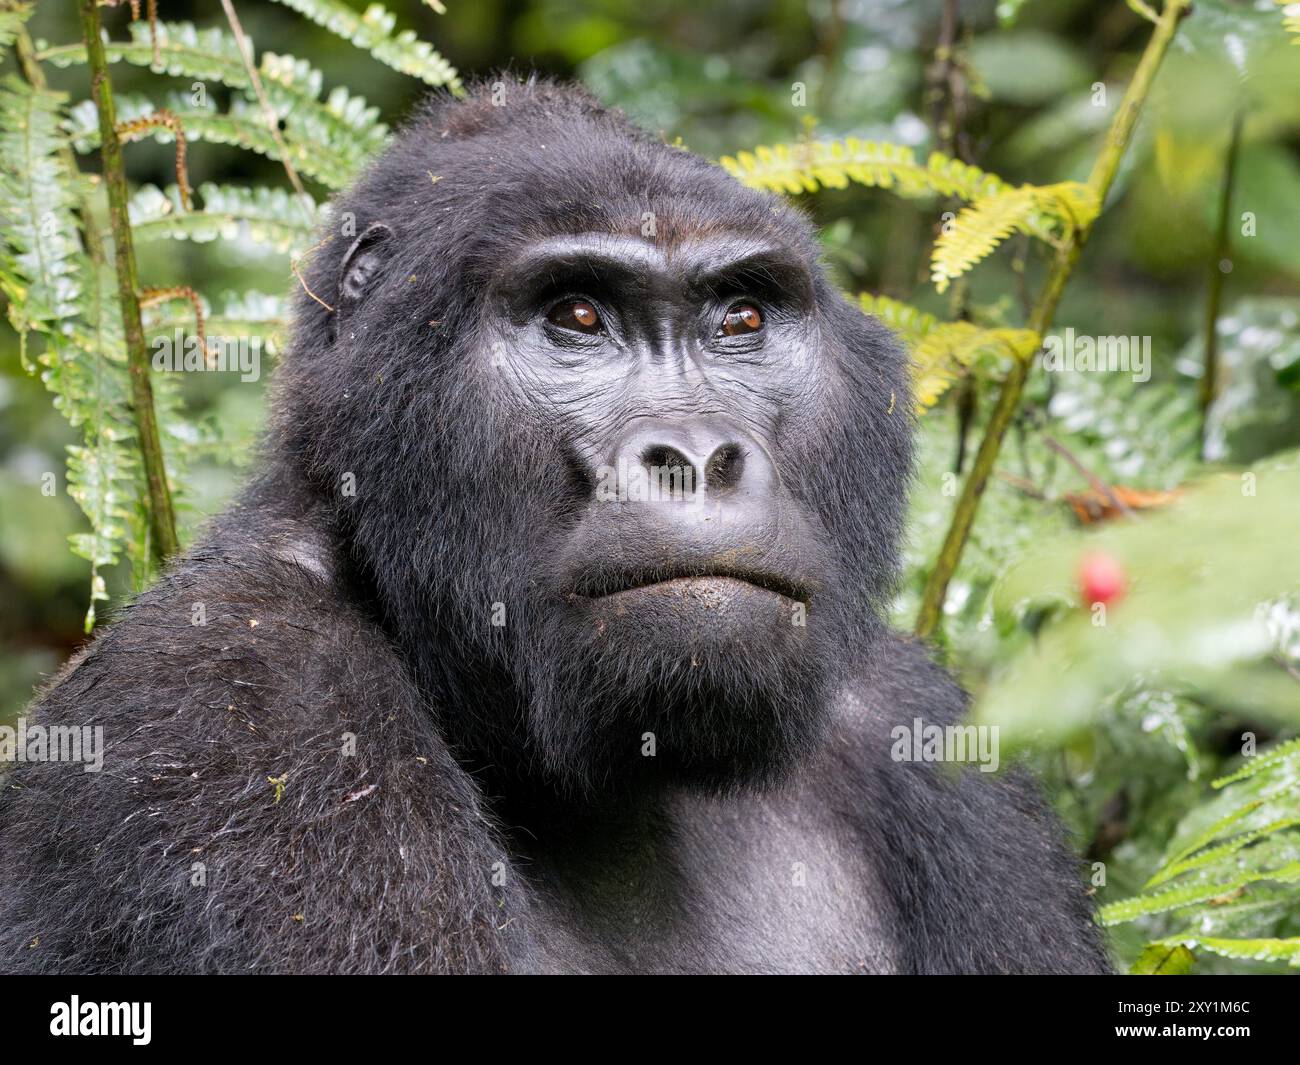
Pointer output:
704, 262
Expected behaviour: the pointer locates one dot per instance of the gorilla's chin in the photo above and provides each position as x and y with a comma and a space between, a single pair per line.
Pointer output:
710, 682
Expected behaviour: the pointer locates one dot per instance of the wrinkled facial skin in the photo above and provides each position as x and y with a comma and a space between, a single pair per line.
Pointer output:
643, 505
667, 412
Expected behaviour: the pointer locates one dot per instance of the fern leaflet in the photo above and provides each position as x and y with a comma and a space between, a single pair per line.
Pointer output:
943, 351
982, 226
808, 166
373, 32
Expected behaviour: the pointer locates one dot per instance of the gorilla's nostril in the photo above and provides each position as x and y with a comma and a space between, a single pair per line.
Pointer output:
686, 459
725, 468
670, 469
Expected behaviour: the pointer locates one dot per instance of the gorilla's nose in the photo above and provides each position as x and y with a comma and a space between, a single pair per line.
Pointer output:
690, 497
693, 459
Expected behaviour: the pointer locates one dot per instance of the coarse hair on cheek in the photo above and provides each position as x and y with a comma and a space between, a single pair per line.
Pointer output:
848, 459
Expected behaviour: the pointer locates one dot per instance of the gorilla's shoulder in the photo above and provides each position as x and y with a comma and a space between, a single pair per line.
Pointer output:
900, 691
255, 635
262, 745
896, 683
962, 845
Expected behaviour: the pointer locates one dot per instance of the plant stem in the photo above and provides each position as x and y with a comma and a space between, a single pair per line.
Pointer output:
831, 41
255, 79
947, 91
162, 519
1040, 320
944, 108
1214, 298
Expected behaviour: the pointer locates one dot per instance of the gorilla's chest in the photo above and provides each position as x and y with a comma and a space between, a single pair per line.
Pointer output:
740, 885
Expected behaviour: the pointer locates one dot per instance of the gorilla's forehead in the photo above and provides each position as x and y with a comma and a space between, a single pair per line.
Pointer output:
654, 195
543, 166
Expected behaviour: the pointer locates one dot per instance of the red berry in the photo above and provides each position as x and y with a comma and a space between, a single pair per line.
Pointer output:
1101, 578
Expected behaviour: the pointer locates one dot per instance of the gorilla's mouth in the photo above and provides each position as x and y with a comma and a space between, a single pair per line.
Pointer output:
604, 584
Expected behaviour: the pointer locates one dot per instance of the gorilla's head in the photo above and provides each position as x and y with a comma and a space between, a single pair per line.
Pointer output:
617, 467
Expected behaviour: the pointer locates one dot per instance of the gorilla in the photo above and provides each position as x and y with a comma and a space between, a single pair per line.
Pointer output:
549, 635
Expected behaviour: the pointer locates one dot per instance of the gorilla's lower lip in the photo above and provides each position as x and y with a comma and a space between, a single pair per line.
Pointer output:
624, 584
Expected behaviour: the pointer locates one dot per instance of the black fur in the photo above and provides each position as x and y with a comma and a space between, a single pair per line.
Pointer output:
497, 814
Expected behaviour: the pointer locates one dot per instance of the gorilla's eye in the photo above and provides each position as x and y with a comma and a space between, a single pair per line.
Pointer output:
578, 315
740, 319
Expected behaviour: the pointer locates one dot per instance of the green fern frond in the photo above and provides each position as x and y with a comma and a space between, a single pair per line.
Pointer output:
1073, 203
1191, 893
341, 124
242, 126
1233, 818
373, 31
185, 439
910, 323
982, 226
1163, 959
185, 51
1260, 792
1283, 950
55, 291
42, 271
1235, 860
1285, 758
943, 351
959, 344
241, 314
1215, 855
270, 216
806, 167
952, 177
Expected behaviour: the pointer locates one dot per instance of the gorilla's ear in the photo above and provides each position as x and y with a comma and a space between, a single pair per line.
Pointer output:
362, 263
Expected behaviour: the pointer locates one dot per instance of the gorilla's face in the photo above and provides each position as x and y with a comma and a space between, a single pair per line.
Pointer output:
645, 489
661, 375
678, 584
